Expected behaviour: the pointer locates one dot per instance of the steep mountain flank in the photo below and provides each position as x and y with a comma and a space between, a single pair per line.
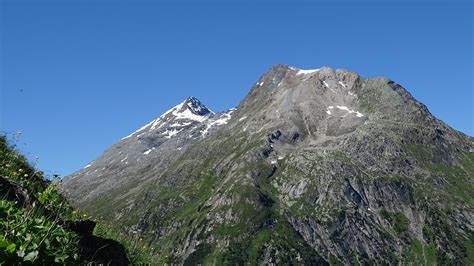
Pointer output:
316, 166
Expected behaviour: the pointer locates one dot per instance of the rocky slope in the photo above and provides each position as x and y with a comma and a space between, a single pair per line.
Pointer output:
314, 166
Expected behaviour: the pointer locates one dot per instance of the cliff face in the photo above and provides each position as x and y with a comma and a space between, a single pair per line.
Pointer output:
312, 166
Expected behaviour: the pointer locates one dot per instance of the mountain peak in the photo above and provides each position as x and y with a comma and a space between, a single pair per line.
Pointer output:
196, 106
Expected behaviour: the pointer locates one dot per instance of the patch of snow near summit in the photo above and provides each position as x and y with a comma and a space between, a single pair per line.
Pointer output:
174, 109
87, 166
342, 84
187, 114
306, 71
147, 152
345, 108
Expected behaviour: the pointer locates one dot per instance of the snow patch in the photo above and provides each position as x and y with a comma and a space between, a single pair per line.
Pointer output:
171, 133
87, 166
156, 123
187, 114
179, 106
242, 118
345, 108
147, 152
181, 125
342, 84
224, 119
306, 71
326, 84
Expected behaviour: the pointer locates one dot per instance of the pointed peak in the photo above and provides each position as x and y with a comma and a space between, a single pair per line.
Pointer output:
192, 99
195, 106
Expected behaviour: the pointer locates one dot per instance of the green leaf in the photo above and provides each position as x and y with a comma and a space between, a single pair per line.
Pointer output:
3, 243
31, 256
11, 248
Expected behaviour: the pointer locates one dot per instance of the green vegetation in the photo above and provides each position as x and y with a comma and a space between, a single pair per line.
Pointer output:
460, 185
398, 220
31, 226
29, 235
138, 250
31, 231
418, 254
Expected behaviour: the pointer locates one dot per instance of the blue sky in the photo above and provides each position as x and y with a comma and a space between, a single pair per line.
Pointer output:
76, 76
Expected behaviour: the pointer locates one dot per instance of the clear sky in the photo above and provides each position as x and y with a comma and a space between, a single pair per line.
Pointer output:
76, 76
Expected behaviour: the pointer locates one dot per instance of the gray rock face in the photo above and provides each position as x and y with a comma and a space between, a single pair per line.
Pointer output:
314, 166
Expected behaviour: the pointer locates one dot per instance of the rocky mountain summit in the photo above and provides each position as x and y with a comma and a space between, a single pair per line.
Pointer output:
313, 166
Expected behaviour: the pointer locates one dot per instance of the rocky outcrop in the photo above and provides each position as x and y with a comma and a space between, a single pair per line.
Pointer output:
96, 249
